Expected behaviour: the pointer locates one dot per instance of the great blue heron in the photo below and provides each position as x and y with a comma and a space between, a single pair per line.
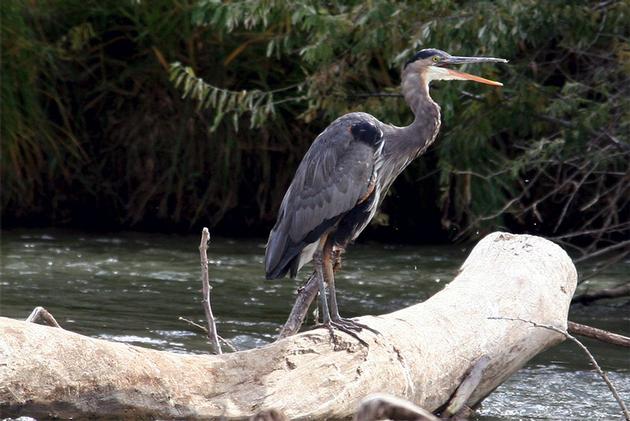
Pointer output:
347, 171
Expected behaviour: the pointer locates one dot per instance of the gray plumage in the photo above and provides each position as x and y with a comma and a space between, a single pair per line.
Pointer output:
335, 173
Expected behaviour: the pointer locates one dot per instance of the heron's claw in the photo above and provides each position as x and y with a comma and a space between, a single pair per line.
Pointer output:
353, 325
332, 325
348, 326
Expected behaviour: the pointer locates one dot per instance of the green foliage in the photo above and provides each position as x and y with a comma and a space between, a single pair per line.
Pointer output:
188, 112
260, 105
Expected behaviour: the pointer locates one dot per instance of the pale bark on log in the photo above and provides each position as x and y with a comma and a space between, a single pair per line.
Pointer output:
40, 314
423, 353
386, 407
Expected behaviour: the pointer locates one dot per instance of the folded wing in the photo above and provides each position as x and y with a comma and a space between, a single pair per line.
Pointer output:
333, 176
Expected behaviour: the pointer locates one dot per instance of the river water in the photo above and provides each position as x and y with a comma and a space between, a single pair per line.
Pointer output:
132, 288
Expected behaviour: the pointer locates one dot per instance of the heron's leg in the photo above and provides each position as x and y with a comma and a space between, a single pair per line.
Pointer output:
329, 258
323, 302
326, 319
329, 277
320, 267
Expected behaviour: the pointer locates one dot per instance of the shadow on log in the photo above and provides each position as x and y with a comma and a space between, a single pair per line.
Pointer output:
423, 353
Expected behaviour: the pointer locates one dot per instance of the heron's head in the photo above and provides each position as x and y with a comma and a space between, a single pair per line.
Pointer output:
432, 64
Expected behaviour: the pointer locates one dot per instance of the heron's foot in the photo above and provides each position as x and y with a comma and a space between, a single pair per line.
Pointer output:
332, 325
353, 325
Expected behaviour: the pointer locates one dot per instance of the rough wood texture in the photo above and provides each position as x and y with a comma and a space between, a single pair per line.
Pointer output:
386, 407
423, 354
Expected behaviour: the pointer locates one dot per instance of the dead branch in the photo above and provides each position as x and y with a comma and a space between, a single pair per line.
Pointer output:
383, 407
600, 294
205, 330
466, 388
599, 334
601, 266
195, 324
40, 314
306, 295
576, 189
604, 376
623, 226
205, 284
604, 250
588, 186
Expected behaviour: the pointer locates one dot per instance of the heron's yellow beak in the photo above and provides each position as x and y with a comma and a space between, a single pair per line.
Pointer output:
444, 73
467, 76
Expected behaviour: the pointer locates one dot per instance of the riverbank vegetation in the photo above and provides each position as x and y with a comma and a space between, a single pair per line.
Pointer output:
171, 114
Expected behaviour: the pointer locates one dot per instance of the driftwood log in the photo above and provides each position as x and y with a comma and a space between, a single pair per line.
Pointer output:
422, 354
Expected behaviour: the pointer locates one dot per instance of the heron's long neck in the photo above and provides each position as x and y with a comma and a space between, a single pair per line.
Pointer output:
403, 144
426, 124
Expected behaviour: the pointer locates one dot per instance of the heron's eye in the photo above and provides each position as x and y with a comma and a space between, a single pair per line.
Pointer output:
436, 59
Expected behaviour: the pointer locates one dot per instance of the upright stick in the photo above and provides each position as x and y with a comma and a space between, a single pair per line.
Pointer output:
205, 284
306, 295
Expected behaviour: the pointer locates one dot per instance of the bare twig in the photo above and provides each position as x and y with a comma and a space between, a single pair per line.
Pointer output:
569, 124
197, 325
381, 406
40, 314
604, 250
205, 330
600, 267
467, 387
599, 370
227, 343
306, 295
503, 210
576, 189
205, 284
600, 294
624, 226
599, 334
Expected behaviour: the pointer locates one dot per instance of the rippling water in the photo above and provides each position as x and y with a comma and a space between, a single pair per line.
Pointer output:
133, 287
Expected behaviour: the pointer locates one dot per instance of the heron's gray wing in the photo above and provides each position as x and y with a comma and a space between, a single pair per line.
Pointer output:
333, 176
